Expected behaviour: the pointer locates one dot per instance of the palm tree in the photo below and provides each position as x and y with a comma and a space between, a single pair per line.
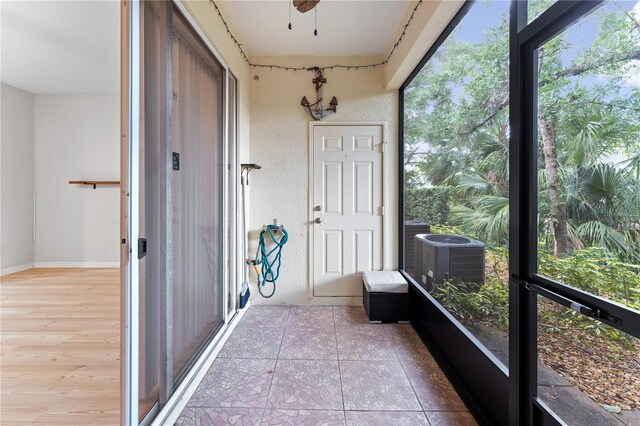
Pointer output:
602, 200
604, 205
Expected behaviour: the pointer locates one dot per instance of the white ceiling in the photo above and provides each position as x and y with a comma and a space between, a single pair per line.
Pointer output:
73, 46
345, 27
60, 46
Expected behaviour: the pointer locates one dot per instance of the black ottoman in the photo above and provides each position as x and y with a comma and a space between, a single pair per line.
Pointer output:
385, 296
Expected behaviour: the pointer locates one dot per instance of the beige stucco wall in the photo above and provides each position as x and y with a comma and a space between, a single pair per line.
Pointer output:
279, 142
273, 132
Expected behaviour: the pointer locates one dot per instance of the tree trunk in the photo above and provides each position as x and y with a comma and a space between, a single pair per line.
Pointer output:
557, 207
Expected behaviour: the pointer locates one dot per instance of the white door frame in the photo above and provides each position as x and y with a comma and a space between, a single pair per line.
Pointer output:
129, 203
385, 200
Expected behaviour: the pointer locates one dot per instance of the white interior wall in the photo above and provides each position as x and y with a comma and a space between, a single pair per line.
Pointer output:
279, 142
77, 138
16, 151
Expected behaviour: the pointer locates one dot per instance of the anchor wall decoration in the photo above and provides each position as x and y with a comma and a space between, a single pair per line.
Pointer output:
316, 110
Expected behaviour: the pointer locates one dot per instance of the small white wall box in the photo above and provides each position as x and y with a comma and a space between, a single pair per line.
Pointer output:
385, 296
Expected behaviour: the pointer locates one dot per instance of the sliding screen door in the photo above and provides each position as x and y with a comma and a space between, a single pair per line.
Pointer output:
197, 226
152, 201
174, 187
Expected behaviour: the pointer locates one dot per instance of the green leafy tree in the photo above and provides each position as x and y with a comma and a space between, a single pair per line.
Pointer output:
457, 135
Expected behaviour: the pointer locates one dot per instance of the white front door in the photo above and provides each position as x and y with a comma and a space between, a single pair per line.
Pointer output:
347, 207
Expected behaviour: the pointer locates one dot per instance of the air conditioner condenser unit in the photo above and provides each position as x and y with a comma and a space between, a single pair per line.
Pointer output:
444, 256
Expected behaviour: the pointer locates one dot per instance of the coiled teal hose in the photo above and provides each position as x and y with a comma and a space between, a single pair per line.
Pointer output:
272, 259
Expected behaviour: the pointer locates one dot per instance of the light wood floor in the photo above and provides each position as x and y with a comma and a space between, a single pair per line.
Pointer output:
60, 347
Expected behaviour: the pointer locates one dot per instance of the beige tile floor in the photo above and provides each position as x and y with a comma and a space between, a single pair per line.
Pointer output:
323, 366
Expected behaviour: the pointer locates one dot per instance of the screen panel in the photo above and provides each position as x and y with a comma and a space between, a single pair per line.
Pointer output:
197, 195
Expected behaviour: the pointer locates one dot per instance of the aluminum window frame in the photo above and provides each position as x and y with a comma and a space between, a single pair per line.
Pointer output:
524, 38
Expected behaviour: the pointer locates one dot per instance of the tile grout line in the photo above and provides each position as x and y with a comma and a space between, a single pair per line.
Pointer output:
410, 383
275, 368
284, 331
315, 360
335, 332
412, 387
424, 410
414, 392
266, 401
385, 335
330, 409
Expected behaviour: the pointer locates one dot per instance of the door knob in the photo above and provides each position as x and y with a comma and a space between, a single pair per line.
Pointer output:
318, 220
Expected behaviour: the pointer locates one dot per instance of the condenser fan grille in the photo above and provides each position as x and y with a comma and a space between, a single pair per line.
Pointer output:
447, 239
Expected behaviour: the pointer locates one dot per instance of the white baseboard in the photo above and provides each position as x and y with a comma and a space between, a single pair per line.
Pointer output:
169, 415
76, 264
14, 269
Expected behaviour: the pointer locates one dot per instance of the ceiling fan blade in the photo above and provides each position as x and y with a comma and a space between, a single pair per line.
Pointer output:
305, 5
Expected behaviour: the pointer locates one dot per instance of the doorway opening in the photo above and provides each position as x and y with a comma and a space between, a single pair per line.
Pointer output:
59, 261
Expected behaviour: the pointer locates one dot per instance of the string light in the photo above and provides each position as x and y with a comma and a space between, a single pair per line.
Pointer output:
328, 67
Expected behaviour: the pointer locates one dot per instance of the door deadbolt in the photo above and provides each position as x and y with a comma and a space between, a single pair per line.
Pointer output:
317, 208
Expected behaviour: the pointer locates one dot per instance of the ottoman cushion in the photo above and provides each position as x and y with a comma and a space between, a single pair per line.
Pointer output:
385, 282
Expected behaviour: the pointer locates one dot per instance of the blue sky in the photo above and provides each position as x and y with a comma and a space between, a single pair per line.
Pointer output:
483, 15
488, 14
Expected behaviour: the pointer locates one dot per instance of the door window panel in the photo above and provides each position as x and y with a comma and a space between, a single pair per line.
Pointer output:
456, 177
589, 155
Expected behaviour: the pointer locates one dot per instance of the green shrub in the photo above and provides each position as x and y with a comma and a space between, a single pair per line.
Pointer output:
430, 205
593, 270
472, 301
596, 271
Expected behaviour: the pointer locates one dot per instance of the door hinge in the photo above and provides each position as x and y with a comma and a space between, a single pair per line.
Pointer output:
384, 144
382, 210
